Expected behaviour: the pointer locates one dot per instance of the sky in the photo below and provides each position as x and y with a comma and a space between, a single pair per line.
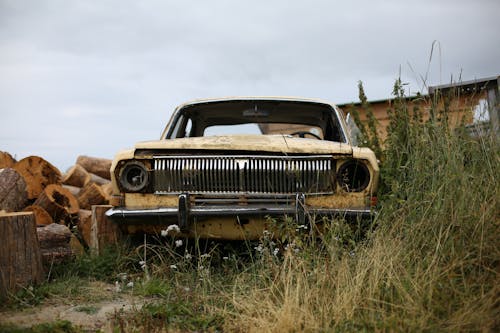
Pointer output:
93, 77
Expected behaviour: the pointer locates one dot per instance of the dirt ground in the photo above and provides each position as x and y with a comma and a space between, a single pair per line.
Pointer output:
89, 316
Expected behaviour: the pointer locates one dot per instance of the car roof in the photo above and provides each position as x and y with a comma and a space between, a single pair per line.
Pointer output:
256, 98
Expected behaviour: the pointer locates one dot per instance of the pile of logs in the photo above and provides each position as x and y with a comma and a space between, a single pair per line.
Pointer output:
60, 206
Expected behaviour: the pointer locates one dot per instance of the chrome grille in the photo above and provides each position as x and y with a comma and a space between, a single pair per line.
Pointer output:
244, 174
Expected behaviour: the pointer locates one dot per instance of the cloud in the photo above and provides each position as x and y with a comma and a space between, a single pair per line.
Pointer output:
100, 75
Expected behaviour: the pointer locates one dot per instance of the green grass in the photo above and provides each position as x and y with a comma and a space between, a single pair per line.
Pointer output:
61, 326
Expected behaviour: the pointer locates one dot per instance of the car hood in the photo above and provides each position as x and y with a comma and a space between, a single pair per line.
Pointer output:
261, 143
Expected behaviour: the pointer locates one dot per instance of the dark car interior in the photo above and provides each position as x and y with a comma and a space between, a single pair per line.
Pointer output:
301, 119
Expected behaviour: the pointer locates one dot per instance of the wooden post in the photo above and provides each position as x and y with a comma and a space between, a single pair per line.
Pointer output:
20, 260
103, 232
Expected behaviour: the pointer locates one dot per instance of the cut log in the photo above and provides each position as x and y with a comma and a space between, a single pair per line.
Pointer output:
20, 260
6, 160
85, 225
91, 194
41, 215
54, 242
76, 176
98, 166
108, 191
58, 202
104, 232
38, 174
98, 180
73, 189
13, 195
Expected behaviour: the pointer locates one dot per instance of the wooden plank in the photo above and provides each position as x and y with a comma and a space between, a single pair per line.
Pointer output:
103, 232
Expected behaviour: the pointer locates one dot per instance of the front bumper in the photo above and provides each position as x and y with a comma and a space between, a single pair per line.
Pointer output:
185, 213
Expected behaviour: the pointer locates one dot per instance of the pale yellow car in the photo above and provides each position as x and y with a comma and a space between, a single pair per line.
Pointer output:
227, 168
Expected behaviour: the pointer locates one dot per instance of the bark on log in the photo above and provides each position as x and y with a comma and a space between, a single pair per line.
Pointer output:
73, 189
58, 202
92, 194
54, 242
13, 195
76, 176
85, 225
20, 260
41, 215
104, 232
98, 180
38, 174
98, 166
6, 160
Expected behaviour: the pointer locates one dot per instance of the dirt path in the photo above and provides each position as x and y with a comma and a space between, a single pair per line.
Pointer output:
89, 316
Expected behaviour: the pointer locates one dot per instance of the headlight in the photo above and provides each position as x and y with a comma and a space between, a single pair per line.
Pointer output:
134, 176
353, 176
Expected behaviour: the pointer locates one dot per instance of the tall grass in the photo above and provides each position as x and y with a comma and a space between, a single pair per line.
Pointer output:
432, 264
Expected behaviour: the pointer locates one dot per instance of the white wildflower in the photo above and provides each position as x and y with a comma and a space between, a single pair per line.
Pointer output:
130, 284
225, 258
275, 252
173, 228
259, 248
173, 266
188, 256
122, 276
178, 243
164, 233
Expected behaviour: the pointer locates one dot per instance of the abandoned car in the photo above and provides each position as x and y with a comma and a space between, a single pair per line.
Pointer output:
223, 168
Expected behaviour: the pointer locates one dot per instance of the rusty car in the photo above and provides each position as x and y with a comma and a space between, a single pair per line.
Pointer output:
223, 168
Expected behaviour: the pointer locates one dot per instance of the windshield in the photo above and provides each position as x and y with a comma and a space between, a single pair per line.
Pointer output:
265, 117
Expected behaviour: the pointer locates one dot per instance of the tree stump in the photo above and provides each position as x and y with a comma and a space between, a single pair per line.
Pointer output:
91, 194
95, 165
13, 195
38, 174
58, 202
41, 215
54, 242
103, 232
76, 176
6, 160
20, 260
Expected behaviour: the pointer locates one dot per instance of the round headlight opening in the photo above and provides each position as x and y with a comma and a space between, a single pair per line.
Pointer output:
353, 176
134, 176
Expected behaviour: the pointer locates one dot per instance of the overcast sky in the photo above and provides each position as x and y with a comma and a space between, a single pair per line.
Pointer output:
93, 77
